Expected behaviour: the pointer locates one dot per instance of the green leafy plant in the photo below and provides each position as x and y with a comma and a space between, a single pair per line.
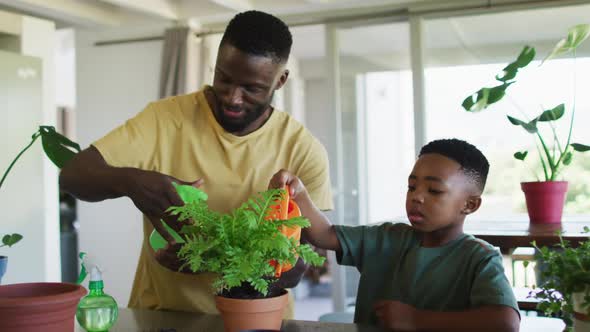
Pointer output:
57, 147
10, 239
565, 271
240, 245
553, 153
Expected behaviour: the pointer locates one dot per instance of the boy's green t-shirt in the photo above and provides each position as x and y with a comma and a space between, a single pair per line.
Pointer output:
464, 273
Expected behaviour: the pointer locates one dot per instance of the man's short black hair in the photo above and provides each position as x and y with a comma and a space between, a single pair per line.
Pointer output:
257, 33
473, 163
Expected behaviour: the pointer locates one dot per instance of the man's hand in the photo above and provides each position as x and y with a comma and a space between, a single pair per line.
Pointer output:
88, 177
396, 315
168, 258
153, 193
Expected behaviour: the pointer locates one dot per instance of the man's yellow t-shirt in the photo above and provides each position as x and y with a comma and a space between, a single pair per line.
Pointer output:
179, 136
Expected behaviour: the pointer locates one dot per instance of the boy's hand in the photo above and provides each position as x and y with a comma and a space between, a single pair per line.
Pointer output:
283, 178
396, 315
320, 234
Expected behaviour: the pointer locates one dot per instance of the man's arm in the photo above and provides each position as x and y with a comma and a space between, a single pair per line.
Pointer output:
88, 177
403, 317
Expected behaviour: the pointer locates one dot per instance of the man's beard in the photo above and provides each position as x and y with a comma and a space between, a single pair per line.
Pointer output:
237, 125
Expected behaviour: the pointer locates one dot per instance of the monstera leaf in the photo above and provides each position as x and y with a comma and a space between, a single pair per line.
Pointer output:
58, 148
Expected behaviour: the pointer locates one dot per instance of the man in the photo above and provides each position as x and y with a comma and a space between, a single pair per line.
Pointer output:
226, 138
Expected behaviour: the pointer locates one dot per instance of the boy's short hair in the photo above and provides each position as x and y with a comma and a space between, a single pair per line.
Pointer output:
473, 163
258, 33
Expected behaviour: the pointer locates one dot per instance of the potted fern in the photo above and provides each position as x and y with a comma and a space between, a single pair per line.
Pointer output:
243, 248
544, 199
31, 306
566, 289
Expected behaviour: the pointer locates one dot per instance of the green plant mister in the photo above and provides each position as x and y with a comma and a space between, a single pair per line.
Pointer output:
97, 311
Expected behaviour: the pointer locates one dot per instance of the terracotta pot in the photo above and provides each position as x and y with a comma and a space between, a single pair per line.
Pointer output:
581, 315
259, 314
33, 307
544, 201
3, 263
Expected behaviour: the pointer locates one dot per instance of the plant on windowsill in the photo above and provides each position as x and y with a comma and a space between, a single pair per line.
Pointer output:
20, 303
545, 199
243, 248
566, 289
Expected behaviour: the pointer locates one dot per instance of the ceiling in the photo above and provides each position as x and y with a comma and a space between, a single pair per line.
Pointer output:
474, 38
93, 13
477, 35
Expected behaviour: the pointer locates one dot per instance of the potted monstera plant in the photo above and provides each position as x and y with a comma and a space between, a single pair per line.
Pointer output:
244, 248
46, 306
544, 198
566, 288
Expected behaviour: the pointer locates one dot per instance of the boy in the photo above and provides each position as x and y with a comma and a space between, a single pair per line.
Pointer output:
430, 275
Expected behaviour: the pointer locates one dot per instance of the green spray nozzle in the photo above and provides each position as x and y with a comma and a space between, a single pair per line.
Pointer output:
96, 311
88, 264
189, 193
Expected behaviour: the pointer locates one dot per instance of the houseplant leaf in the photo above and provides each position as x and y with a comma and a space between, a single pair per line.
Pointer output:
530, 127
521, 155
481, 99
524, 58
567, 158
239, 246
565, 272
58, 148
552, 114
575, 36
580, 147
11, 239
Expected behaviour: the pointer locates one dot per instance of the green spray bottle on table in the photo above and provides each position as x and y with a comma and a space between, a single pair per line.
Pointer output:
97, 311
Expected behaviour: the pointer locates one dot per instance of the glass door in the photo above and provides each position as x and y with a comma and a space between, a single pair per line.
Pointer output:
371, 85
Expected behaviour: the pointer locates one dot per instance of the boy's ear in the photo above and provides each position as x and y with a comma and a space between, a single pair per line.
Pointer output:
471, 205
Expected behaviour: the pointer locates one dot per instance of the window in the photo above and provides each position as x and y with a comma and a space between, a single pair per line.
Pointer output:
464, 54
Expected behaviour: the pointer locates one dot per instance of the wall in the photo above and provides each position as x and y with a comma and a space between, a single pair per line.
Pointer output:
113, 84
35, 213
21, 196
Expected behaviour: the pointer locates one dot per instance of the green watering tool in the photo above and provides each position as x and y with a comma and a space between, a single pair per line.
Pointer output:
188, 194
97, 311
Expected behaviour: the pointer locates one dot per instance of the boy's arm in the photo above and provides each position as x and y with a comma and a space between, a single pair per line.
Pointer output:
400, 316
321, 233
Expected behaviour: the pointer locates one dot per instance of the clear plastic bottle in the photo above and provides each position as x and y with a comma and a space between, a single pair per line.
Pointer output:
97, 311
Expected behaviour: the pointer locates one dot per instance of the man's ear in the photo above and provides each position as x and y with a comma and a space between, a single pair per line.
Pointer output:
282, 79
472, 204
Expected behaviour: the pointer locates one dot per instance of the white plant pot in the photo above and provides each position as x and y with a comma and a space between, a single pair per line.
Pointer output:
582, 315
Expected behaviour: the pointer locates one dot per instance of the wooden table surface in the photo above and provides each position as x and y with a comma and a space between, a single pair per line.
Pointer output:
135, 320
513, 233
